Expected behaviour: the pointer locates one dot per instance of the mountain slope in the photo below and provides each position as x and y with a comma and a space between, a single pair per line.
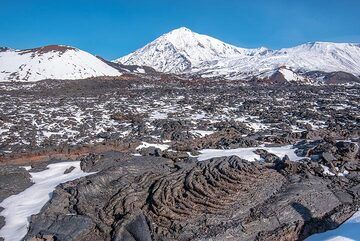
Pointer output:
318, 56
51, 62
323, 56
183, 51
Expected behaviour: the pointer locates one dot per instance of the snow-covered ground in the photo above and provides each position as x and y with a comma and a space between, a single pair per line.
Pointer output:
248, 153
43, 121
18, 208
348, 231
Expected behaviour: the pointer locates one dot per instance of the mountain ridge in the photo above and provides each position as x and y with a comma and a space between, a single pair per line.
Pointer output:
169, 53
185, 52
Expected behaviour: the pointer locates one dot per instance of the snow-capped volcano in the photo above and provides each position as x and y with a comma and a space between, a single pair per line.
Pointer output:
318, 56
51, 62
183, 51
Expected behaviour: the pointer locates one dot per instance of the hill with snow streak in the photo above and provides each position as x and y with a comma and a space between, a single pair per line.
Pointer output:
183, 51
51, 62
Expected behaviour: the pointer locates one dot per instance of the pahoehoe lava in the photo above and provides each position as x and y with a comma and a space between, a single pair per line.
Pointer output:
154, 198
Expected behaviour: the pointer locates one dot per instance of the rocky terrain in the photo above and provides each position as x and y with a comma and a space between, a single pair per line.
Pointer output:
173, 158
62, 114
155, 198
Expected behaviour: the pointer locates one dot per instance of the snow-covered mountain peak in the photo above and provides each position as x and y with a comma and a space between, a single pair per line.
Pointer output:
183, 38
206, 47
182, 49
51, 62
179, 31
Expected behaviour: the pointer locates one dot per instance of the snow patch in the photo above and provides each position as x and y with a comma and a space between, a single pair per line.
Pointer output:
18, 208
140, 70
348, 231
144, 144
326, 171
201, 133
290, 75
248, 153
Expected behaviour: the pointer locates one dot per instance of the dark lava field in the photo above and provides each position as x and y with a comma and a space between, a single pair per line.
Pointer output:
168, 158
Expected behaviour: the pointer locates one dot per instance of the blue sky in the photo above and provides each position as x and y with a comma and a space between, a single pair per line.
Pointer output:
113, 28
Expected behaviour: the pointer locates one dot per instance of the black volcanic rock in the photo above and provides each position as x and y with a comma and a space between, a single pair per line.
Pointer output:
128, 68
13, 179
168, 194
46, 49
277, 77
341, 78
152, 198
3, 49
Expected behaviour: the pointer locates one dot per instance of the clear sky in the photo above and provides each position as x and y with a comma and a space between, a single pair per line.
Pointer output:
113, 28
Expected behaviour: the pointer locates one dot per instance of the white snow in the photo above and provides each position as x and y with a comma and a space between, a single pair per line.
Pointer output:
34, 65
295, 128
136, 154
18, 208
252, 122
27, 168
248, 153
140, 70
156, 115
289, 75
201, 133
183, 51
326, 171
348, 231
315, 125
144, 144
